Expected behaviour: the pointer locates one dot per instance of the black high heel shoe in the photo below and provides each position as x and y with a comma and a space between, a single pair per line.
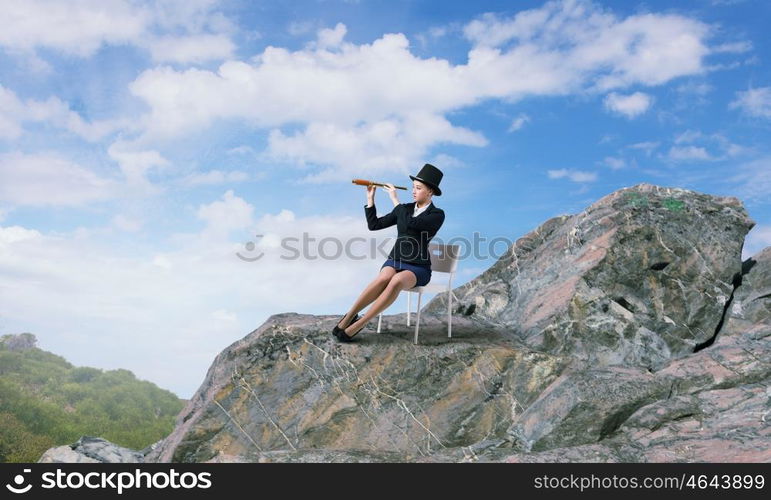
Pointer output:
337, 329
344, 337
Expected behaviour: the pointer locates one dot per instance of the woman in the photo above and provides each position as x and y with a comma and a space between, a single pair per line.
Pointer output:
409, 262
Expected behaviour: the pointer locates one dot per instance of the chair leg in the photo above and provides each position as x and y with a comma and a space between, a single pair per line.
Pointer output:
449, 306
379, 320
449, 314
409, 300
417, 323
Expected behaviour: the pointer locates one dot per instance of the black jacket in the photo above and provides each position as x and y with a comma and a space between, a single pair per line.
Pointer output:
414, 233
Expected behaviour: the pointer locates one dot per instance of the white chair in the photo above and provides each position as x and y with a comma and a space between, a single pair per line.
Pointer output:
444, 259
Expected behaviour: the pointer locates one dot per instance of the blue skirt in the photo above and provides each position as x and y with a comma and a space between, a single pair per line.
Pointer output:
422, 273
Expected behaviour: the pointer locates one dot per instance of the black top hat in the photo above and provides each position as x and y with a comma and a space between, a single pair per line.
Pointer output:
431, 176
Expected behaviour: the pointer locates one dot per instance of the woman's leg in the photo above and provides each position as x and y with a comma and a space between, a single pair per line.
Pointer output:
402, 281
369, 294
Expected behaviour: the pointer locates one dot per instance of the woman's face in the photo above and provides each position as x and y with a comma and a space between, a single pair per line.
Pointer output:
421, 193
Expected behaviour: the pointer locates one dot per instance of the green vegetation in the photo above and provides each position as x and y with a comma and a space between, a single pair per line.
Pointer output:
46, 401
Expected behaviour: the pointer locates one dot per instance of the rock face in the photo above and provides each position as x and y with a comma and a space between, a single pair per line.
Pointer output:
290, 386
631, 332
92, 450
640, 277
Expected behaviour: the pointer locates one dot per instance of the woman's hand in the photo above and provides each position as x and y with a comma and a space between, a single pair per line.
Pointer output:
392, 193
371, 195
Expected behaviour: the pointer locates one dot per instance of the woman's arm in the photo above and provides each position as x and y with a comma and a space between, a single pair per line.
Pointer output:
374, 222
392, 193
370, 212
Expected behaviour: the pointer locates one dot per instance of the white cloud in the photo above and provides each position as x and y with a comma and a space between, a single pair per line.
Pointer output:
44, 179
136, 164
614, 163
646, 146
754, 102
686, 153
698, 143
226, 215
492, 31
241, 150
357, 102
729, 148
688, 136
732, 47
375, 147
14, 113
573, 175
438, 31
518, 122
194, 48
628, 105
331, 38
359, 83
81, 27
13, 234
77, 27
643, 48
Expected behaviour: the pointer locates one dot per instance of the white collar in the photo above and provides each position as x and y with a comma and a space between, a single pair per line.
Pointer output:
418, 210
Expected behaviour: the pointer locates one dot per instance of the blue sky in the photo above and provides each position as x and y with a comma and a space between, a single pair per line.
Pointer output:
145, 144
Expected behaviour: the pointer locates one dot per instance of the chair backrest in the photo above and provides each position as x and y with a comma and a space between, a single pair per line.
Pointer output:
444, 258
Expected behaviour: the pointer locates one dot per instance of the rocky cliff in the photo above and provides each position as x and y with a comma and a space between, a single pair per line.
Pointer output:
630, 332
